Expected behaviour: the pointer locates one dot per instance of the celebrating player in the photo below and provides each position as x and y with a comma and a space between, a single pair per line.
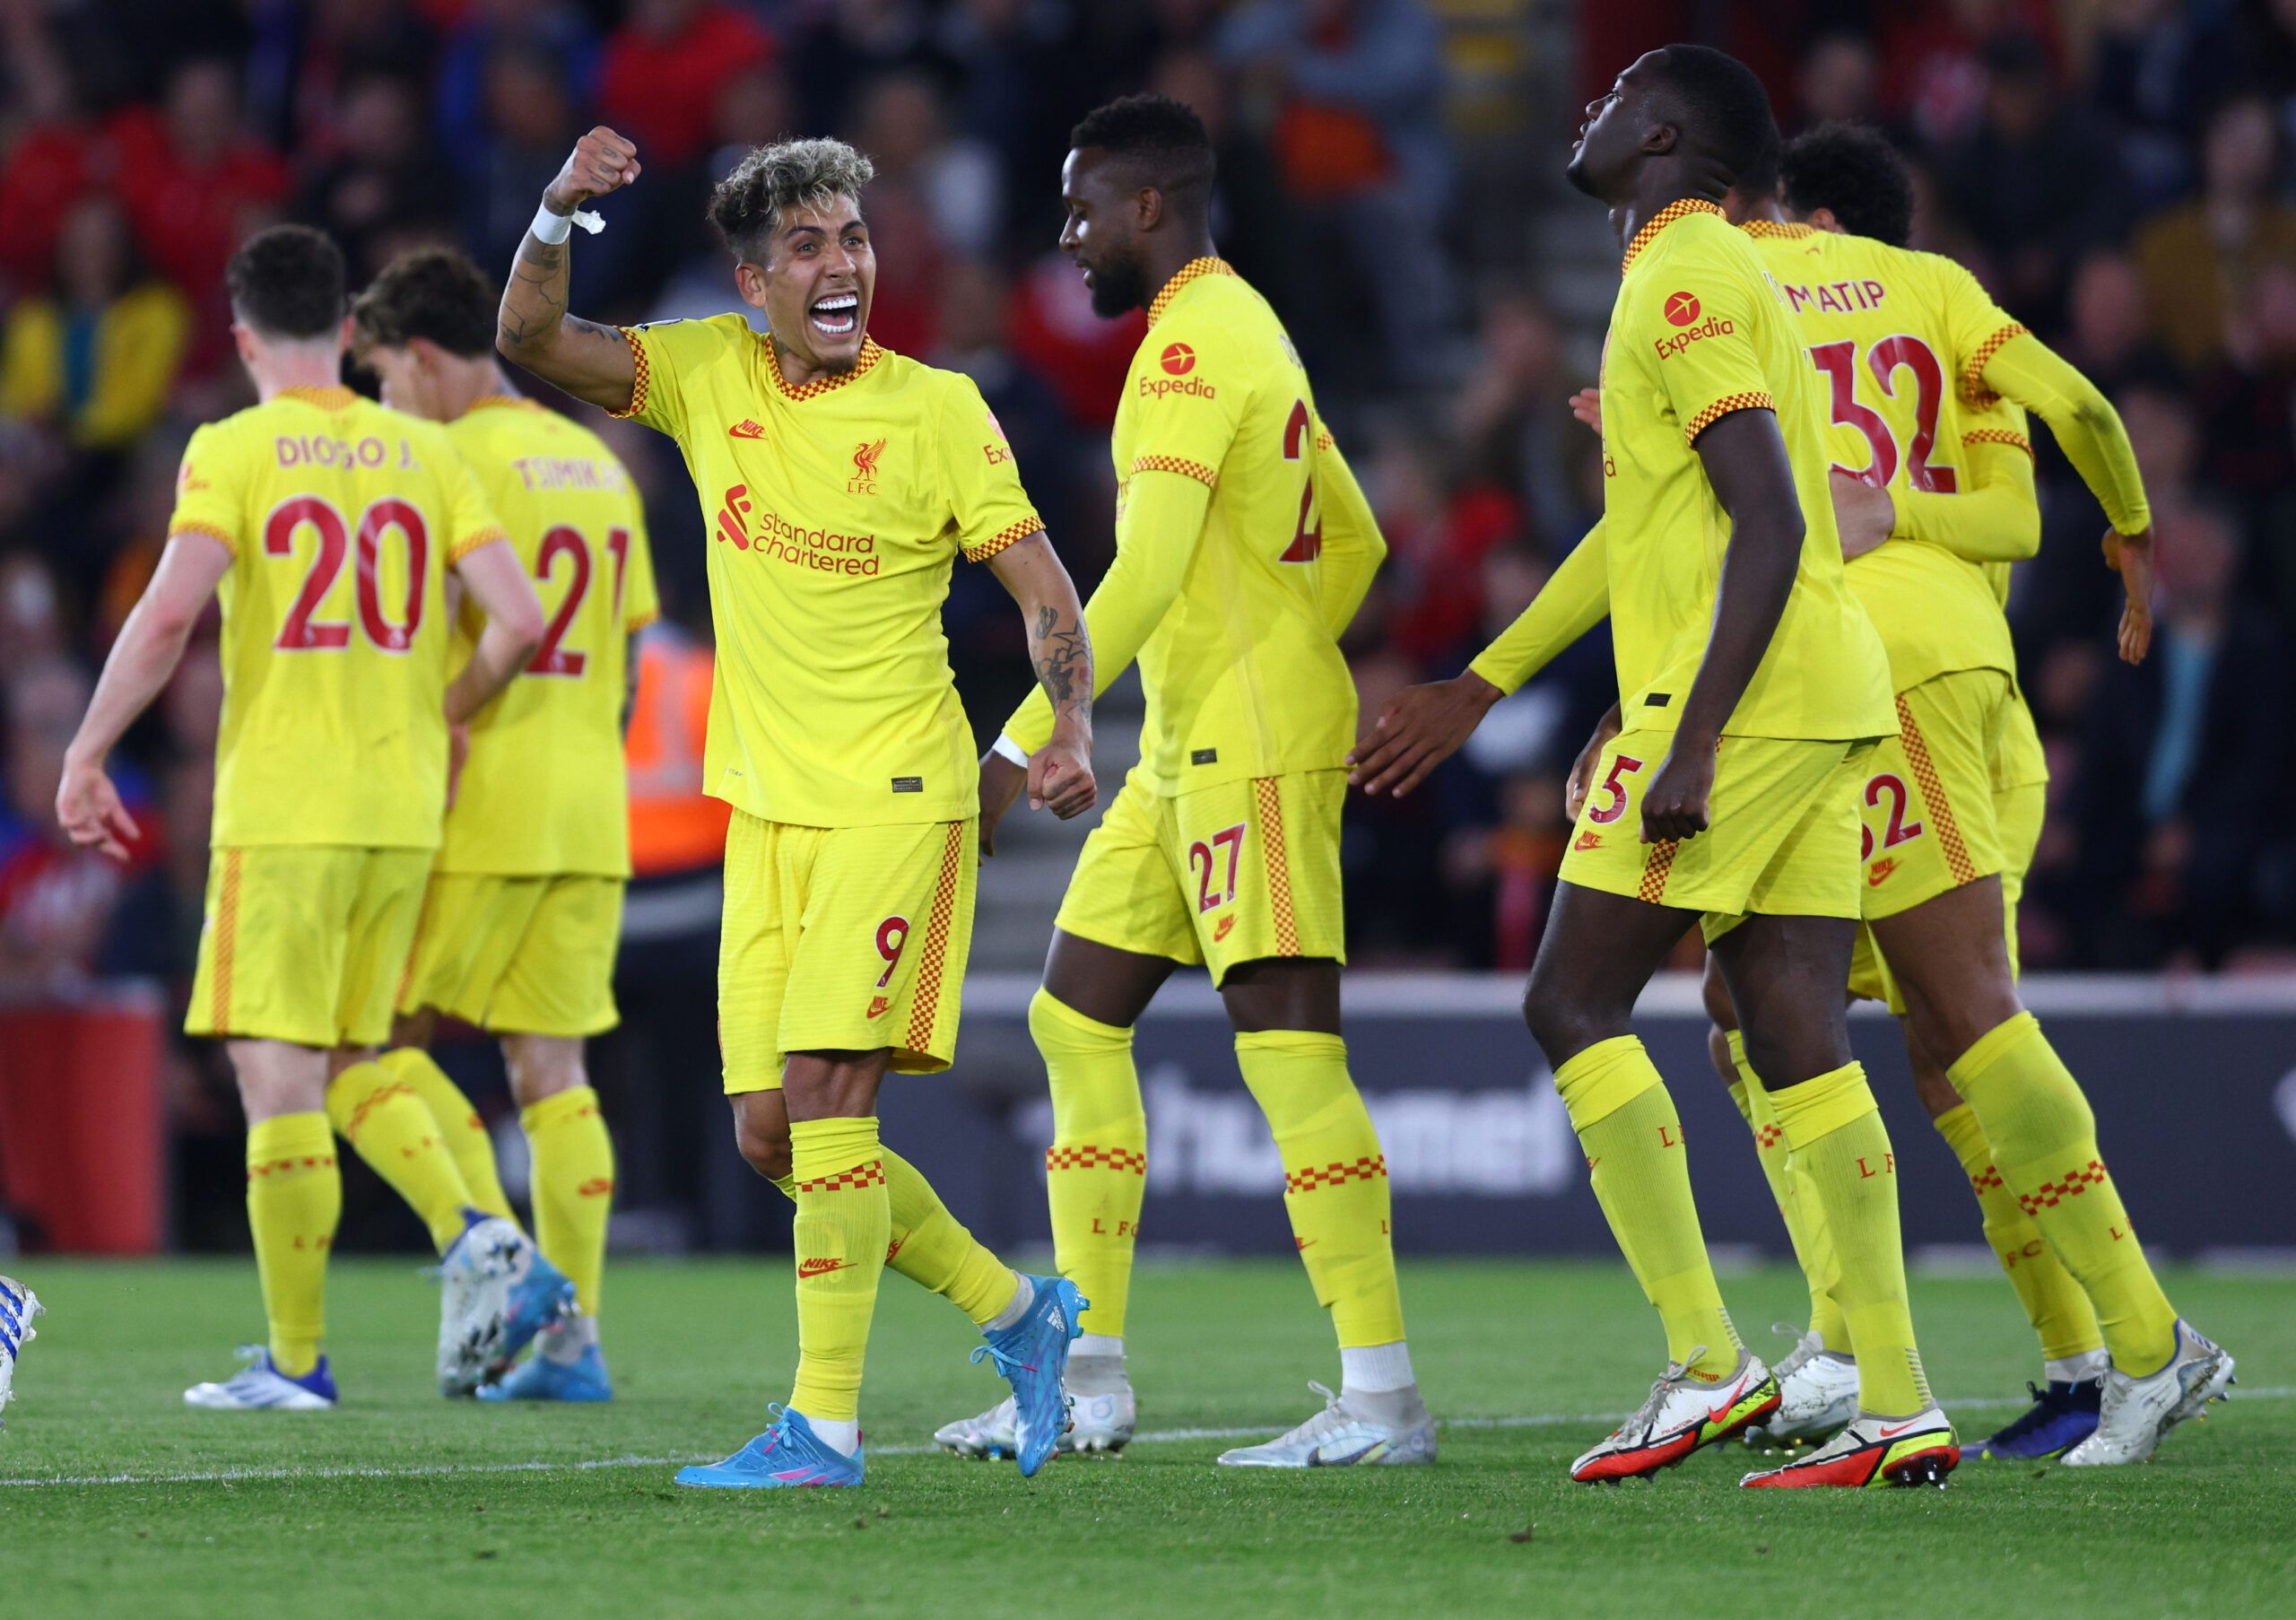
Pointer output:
331, 770
1711, 427
1920, 359
1243, 549
841, 480
524, 908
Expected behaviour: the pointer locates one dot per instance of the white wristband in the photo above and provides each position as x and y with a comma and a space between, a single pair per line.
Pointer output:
554, 228
1006, 748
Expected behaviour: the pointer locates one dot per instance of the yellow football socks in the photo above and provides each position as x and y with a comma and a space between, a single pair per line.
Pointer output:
380, 1115
2045, 1146
1633, 1144
1097, 1168
295, 1198
2054, 1303
1798, 1200
1334, 1178
459, 1127
844, 1224
930, 1247
573, 1185
1836, 1133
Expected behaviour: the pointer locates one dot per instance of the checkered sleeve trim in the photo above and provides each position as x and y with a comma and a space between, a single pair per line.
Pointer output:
1208, 477
1973, 389
1728, 405
1324, 440
473, 540
871, 1175
1307, 1178
213, 531
1083, 1155
1998, 436
643, 381
1008, 535
2048, 1195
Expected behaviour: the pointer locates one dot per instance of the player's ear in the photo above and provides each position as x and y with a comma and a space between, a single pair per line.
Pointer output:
750, 280
1659, 138
1147, 208
1825, 219
346, 335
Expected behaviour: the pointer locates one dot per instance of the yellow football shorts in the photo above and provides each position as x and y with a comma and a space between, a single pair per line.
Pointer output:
1781, 837
517, 955
1239, 872
305, 943
842, 939
1959, 793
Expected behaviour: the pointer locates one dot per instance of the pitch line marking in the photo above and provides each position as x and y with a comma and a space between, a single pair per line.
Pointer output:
1538, 1420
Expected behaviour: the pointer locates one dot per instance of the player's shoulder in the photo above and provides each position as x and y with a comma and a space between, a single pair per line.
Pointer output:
697, 340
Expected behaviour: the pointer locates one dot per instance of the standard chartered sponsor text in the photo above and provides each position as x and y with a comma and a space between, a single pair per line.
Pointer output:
778, 540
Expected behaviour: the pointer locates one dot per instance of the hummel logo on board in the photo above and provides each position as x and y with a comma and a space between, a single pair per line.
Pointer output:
745, 429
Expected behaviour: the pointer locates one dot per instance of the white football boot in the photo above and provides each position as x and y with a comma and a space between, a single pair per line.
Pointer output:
18, 1306
475, 1277
1681, 1414
1345, 1436
2139, 1411
1917, 1450
1817, 1394
1097, 1423
262, 1386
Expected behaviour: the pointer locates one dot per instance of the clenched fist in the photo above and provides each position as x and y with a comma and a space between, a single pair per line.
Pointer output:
601, 162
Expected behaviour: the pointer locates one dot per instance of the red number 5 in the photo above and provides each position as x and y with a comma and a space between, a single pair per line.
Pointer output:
1622, 765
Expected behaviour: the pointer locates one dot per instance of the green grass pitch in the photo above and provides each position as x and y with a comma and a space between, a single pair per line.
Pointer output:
402, 1504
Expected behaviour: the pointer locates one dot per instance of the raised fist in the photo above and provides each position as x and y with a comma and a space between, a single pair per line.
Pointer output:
601, 162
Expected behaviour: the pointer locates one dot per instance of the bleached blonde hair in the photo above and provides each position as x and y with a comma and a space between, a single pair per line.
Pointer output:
750, 204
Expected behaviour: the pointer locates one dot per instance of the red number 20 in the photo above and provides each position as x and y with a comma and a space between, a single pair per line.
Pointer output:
1202, 861
302, 633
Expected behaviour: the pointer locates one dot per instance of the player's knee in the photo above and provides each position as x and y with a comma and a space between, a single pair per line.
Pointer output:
765, 1144
542, 1066
1564, 1024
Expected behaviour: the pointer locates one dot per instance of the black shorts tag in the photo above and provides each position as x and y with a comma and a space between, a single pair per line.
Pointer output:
908, 784
1658, 699
1205, 756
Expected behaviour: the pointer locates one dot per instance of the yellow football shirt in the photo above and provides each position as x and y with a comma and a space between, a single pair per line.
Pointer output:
1243, 673
835, 511
1699, 331
545, 789
1890, 332
342, 519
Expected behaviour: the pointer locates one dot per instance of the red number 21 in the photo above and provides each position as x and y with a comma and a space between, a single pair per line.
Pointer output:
1307, 542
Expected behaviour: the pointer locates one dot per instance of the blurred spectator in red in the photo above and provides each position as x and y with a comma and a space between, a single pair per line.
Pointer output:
1350, 92
94, 359
1512, 424
1082, 356
56, 902
306, 55
1837, 80
2199, 259
198, 184
659, 79
1936, 56
2037, 180
531, 122
2247, 401
54, 152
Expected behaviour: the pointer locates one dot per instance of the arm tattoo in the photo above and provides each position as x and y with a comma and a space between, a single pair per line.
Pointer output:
1063, 658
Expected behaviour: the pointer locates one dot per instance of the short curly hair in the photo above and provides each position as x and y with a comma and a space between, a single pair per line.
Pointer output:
748, 204
433, 293
287, 283
1163, 140
1853, 170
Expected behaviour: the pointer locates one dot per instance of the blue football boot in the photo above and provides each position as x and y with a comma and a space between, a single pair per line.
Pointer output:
541, 1296
2060, 1418
1032, 1354
583, 1379
789, 1453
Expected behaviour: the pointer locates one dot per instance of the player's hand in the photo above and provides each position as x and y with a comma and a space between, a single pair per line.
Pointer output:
1581, 780
2131, 557
457, 756
1675, 804
1865, 515
1587, 405
1001, 781
601, 162
1060, 774
1419, 728
88, 807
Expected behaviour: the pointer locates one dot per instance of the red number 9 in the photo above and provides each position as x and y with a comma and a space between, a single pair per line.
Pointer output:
892, 939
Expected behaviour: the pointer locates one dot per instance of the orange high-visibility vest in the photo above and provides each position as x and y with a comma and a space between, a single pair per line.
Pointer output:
674, 825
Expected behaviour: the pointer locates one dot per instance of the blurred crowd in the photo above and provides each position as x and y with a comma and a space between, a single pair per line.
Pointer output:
2116, 171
